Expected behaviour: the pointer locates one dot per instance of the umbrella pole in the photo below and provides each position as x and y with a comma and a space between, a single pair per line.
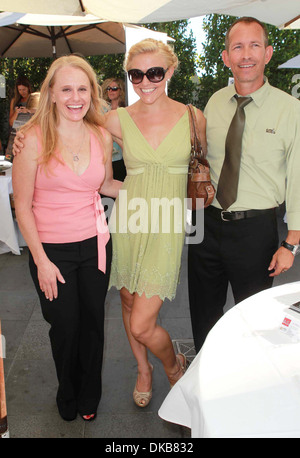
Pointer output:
53, 40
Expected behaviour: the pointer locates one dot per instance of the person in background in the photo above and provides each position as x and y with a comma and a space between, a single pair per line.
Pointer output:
240, 227
18, 102
33, 102
113, 90
56, 182
21, 119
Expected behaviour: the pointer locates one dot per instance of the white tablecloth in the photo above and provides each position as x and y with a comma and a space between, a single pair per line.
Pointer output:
245, 381
10, 236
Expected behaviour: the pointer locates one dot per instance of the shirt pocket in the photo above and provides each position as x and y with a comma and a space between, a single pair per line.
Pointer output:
265, 145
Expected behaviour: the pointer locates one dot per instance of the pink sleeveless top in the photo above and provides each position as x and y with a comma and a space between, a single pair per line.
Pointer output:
67, 207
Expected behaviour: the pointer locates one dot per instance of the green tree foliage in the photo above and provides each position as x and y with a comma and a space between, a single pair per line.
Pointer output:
107, 66
215, 74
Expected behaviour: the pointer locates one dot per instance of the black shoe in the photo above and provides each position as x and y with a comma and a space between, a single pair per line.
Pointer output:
68, 417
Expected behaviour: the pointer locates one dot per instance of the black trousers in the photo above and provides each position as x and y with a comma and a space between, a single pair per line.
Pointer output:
238, 252
76, 318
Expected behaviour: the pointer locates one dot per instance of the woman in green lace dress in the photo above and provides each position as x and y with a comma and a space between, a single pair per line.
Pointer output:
147, 224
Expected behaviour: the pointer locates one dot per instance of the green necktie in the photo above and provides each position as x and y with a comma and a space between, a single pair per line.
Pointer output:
229, 177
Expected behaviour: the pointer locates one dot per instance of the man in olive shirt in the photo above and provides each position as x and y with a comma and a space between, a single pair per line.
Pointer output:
240, 244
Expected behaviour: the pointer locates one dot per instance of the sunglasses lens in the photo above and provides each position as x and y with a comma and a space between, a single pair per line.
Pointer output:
155, 74
135, 76
112, 88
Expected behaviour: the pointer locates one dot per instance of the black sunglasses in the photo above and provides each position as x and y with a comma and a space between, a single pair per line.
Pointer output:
154, 75
112, 88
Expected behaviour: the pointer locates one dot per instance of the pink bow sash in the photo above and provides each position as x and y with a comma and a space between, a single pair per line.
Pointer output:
102, 232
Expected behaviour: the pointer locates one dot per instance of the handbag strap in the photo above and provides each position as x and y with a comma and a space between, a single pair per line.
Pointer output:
195, 134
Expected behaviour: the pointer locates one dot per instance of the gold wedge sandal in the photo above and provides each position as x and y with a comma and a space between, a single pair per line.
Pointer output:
173, 378
141, 398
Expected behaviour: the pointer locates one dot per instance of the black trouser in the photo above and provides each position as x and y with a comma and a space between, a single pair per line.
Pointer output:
238, 252
77, 323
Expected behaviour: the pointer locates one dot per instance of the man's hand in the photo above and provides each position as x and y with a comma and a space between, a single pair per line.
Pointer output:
18, 145
282, 261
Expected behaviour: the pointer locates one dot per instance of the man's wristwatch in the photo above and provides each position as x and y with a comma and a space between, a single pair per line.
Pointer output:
293, 248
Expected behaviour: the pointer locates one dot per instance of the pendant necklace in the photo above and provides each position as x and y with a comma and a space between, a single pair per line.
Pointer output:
75, 156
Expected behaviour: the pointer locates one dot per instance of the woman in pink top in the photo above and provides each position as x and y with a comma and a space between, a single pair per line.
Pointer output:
56, 184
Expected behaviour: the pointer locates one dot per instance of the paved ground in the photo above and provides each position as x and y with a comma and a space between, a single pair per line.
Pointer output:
30, 374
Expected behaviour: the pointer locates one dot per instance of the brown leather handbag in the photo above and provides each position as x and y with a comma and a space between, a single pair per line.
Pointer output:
199, 183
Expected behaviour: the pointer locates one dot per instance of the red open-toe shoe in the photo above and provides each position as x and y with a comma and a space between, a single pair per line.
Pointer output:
90, 417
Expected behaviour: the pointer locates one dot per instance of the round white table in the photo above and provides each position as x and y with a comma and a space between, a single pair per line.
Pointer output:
245, 381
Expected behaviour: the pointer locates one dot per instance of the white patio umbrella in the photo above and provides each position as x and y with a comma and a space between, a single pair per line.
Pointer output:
291, 63
274, 12
35, 35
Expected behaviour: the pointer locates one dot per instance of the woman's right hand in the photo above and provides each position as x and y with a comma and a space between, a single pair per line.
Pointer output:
48, 274
18, 145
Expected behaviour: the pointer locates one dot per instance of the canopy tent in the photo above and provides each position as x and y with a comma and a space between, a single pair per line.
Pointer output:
274, 12
291, 63
37, 35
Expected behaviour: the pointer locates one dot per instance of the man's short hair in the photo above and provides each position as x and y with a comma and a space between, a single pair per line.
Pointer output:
247, 20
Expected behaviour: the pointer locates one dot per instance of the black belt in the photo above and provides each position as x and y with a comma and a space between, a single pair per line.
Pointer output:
236, 215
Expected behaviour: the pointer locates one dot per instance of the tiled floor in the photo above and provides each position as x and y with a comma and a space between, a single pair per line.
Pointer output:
30, 374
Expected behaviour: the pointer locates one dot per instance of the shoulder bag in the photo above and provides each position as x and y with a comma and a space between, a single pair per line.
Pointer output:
199, 183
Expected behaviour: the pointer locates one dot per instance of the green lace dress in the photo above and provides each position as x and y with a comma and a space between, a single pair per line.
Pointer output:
147, 222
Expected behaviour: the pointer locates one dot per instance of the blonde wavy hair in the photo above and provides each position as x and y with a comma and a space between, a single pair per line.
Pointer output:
121, 85
46, 116
149, 45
